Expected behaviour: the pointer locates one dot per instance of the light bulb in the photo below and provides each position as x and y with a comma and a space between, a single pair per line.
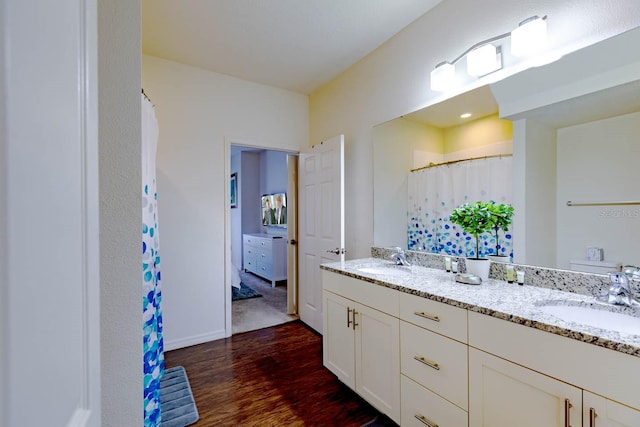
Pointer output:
443, 77
482, 60
530, 37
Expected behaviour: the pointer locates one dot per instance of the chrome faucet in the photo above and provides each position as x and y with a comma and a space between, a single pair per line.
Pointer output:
620, 290
399, 256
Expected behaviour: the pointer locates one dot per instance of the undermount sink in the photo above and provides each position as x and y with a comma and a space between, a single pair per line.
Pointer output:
386, 270
625, 320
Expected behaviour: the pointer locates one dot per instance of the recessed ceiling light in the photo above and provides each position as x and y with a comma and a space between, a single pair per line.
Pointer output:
465, 115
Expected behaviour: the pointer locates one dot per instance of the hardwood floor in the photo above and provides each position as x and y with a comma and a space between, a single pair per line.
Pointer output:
269, 377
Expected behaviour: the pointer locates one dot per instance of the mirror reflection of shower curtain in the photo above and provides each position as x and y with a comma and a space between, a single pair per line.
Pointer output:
153, 347
434, 193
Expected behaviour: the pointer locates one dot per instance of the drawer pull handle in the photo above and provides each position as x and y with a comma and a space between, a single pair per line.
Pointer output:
427, 316
426, 421
348, 317
592, 417
567, 412
429, 363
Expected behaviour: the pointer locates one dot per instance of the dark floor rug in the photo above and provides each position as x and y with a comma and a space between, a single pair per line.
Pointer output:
177, 406
244, 292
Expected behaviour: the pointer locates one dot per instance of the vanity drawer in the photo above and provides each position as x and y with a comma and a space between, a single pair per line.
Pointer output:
436, 362
418, 402
435, 316
370, 294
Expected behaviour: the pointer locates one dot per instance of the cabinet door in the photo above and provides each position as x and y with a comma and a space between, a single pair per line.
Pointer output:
378, 360
338, 347
503, 394
601, 412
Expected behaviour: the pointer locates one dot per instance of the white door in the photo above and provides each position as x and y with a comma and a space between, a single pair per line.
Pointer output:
601, 412
49, 235
321, 222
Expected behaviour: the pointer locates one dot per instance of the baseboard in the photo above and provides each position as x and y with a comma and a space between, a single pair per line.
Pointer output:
193, 340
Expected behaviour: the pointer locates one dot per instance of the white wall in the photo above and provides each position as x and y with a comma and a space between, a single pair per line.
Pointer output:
120, 212
273, 172
599, 162
396, 144
534, 193
394, 79
199, 112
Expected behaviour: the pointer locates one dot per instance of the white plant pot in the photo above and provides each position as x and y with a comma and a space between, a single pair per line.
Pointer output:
499, 258
479, 267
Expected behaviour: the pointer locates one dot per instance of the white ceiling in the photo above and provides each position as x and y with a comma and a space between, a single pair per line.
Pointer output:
292, 44
478, 102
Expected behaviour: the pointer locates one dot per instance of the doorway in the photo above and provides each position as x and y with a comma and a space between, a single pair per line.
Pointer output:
260, 289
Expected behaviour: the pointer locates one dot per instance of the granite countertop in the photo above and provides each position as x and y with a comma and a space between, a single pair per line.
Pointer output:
497, 298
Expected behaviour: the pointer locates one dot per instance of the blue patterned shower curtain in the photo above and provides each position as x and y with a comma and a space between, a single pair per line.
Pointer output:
152, 343
434, 193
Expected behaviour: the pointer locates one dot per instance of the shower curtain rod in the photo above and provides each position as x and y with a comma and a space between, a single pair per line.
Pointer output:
630, 203
145, 96
433, 165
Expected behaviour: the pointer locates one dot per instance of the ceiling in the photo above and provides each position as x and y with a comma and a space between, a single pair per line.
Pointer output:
477, 102
296, 45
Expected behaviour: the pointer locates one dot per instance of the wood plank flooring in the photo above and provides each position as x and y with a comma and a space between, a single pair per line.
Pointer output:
269, 377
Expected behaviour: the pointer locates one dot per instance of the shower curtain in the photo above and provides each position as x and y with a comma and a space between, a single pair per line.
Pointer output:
153, 348
434, 193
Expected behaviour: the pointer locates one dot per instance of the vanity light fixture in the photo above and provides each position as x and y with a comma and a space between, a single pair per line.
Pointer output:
530, 36
485, 57
483, 60
443, 77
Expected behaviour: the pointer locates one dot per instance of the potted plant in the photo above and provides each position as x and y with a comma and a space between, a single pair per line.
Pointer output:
474, 219
501, 215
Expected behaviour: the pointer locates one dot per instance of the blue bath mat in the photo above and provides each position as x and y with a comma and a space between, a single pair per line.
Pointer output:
177, 406
244, 292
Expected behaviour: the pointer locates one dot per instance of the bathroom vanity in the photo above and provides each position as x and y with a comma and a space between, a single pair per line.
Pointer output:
428, 351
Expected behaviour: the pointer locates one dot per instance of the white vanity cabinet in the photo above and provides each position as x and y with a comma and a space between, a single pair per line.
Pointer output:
503, 394
265, 255
600, 412
527, 377
362, 338
427, 363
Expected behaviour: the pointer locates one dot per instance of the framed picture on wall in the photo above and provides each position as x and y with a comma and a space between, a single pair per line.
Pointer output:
234, 190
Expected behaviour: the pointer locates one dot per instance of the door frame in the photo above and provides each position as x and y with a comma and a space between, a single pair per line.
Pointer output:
230, 140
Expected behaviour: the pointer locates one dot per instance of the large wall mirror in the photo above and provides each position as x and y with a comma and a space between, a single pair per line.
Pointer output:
573, 129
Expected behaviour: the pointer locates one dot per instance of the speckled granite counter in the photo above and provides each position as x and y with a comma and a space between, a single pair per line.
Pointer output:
497, 298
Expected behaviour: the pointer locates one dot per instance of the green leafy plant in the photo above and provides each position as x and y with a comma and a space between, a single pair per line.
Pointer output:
473, 218
501, 215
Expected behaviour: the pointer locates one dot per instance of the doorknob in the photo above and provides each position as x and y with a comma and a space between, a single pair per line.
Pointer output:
293, 241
